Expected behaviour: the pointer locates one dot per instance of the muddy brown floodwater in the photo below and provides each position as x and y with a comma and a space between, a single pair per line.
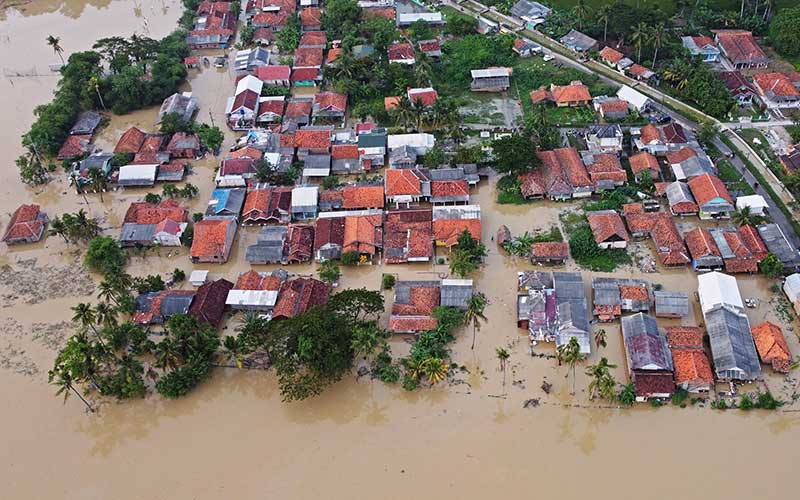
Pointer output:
361, 439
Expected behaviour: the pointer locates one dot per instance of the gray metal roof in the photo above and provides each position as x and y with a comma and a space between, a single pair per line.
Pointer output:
229, 202
569, 289
269, 247
456, 293
606, 291
778, 244
646, 346
86, 123
529, 9
672, 303
446, 174
135, 233
697, 165
175, 304
317, 162
732, 345
578, 40
402, 289
372, 139
678, 192
404, 154
534, 280
604, 131
183, 105
490, 82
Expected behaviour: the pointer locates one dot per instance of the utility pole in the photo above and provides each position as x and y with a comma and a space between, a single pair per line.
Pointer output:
211, 116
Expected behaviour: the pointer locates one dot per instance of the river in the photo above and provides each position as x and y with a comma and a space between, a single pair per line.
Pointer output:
233, 437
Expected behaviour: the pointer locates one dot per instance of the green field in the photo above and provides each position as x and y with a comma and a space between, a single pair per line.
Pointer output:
667, 6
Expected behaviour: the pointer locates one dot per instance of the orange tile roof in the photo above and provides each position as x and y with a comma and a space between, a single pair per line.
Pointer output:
611, 55
532, 184
75, 145
130, 141
331, 101
572, 93
363, 234
614, 106
403, 182
450, 188
541, 95
701, 243
245, 152
606, 224
307, 57
447, 231
633, 292
740, 46
298, 296
777, 83
25, 223
312, 139
753, 241
344, 151
706, 187
702, 41
691, 365
606, 167
408, 234
684, 336
298, 109
649, 134
363, 197
252, 280
426, 96
680, 156
550, 250
299, 243
210, 237
565, 163
643, 161
423, 299
145, 213
391, 102
412, 323
311, 16
401, 51
311, 38
333, 54
386, 13
772, 346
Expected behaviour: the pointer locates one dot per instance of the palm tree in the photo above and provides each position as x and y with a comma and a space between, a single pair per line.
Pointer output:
107, 292
105, 315
413, 368
603, 16
169, 191
57, 227
422, 70
502, 356
743, 217
638, 37
600, 374
678, 73
581, 12
98, 181
167, 355
474, 313
570, 353
435, 369
84, 314
63, 380
234, 350
404, 112
94, 84
600, 338
55, 43
657, 35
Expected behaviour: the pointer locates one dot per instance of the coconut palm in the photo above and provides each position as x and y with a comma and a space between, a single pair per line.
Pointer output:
404, 113
603, 16
83, 313
743, 217
63, 380
55, 43
234, 350
601, 378
581, 11
105, 315
678, 73
570, 353
435, 369
107, 292
167, 355
57, 227
474, 313
422, 70
657, 36
640, 34
600, 338
98, 181
94, 84
502, 356
413, 368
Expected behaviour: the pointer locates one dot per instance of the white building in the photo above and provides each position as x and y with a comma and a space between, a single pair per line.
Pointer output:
717, 290
755, 202
635, 99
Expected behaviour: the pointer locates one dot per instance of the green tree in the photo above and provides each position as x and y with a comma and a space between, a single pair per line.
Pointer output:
288, 38
474, 313
658, 35
340, 17
104, 255
98, 181
707, 132
627, 395
460, 25
55, 43
502, 356
581, 11
639, 36
514, 154
434, 158
210, 137
167, 356
31, 170
329, 271
63, 380
234, 350
604, 14
771, 266
368, 340
420, 30
350, 258
600, 338
570, 354
602, 383
743, 217
357, 304
784, 31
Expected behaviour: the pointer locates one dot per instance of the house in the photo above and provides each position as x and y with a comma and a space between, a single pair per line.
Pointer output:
182, 104
242, 108
611, 56
671, 304
449, 222
414, 302
732, 345
213, 240
692, 369
406, 186
712, 197
614, 296
226, 203
608, 229
408, 236
208, 305
532, 185
779, 245
701, 46
639, 72
405, 19
741, 49
130, 141
752, 240
213, 26
74, 146
661, 228
282, 244
431, 48
256, 291
791, 160
689, 162
735, 252
456, 293
536, 305
420, 143
80, 174
271, 14
329, 105
333, 56
86, 124
401, 53
791, 287
611, 109
372, 148
152, 151
487, 26
298, 111
363, 234
549, 252
490, 79
298, 296
578, 42
307, 57
604, 138
525, 47
644, 162
248, 60
776, 90
316, 166
328, 238
155, 308
27, 225
270, 109
565, 176
263, 36
304, 202
305, 77
274, 76
634, 98
267, 204
681, 201
648, 358
742, 90
314, 140
659, 140
183, 145
572, 95
330, 200
534, 13
455, 191
345, 159
704, 251
754, 202
311, 18
571, 310
361, 197
146, 224
425, 96
238, 172
605, 170
772, 347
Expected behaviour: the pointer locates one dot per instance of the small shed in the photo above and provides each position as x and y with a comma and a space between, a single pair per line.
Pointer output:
671, 304
198, 277
137, 175
87, 123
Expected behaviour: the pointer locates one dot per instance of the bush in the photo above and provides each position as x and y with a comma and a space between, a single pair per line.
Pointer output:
181, 381
152, 198
745, 403
105, 256
388, 281
766, 401
350, 258
679, 398
178, 275
627, 395
586, 253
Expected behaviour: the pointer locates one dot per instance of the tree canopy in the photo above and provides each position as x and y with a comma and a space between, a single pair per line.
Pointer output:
784, 32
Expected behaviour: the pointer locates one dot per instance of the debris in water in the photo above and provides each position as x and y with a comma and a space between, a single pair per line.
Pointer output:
531, 403
546, 386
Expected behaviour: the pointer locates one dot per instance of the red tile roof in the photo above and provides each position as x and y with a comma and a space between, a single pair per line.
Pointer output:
611, 55
331, 101
333, 54
146, 213
550, 250
753, 241
649, 134
702, 41
614, 106
391, 102
412, 323
701, 243
638, 70
307, 57
181, 141
450, 188
408, 234
447, 231
680, 156
313, 138
403, 182
130, 141
777, 83
540, 95
706, 187
565, 163
298, 296
298, 109
75, 145
691, 366
313, 38
673, 133
423, 299
210, 237
304, 74
299, 245
386, 13
344, 152
606, 224
772, 347
311, 16
327, 231
401, 51
684, 336
606, 166
661, 227
363, 234
245, 152
264, 204
252, 280
26, 224
634, 292
208, 305
575, 92
427, 96
272, 73
532, 184
643, 161
148, 153
739, 45
274, 106
430, 45
356, 197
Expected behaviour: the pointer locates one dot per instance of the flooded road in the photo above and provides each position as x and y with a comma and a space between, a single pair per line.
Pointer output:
233, 437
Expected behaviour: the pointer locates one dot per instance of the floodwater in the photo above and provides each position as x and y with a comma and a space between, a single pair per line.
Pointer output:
361, 439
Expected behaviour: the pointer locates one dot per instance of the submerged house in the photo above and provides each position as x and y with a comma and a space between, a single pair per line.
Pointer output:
648, 357
692, 369
256, 291
408, 236
614, 296
155, 308
671, 304
608, 229
148, 224
778, 244
772, 347
208, 305
27, 225
213, 240
704, 251
571, 310
414, 302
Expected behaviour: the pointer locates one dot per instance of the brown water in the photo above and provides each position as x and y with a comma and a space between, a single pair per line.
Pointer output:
361, 439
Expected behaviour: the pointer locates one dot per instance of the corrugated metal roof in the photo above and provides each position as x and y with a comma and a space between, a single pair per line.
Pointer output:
672, 303
646, 346
732, 345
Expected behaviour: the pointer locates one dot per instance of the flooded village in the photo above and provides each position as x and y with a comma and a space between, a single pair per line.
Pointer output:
678, 308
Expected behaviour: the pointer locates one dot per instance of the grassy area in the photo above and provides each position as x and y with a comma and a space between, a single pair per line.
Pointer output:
758, 142
668, 6
733, 180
